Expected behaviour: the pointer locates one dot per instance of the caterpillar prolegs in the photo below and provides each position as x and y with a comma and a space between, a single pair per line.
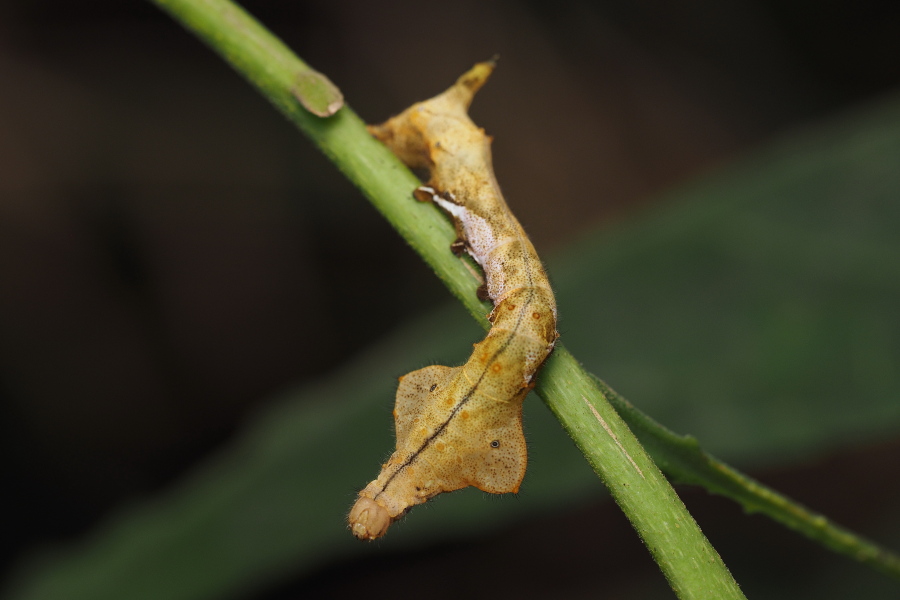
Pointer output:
462, 426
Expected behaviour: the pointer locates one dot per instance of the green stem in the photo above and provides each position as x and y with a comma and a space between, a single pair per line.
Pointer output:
690, 563
683, 460
274, 70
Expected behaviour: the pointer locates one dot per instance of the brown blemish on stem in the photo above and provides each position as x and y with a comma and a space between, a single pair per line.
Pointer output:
615, 438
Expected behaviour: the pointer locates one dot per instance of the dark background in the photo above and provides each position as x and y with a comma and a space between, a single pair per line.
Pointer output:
172, 252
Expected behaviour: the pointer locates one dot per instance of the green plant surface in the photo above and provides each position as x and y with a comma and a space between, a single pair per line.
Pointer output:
691, 565
683, 460
771, 286
750, 311
269, 507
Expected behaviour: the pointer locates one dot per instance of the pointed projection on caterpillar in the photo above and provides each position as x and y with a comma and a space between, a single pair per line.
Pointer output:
462, 426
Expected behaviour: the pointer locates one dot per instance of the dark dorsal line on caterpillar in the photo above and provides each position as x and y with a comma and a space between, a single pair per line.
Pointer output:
462, 426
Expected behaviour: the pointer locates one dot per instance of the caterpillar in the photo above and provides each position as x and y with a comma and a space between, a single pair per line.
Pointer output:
462, 426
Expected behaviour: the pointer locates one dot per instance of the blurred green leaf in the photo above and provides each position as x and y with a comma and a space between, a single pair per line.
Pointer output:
755, 310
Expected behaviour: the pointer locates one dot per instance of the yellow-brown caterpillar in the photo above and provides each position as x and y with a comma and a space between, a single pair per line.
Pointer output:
462, 426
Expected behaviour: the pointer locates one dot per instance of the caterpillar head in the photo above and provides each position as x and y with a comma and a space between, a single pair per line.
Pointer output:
368, 519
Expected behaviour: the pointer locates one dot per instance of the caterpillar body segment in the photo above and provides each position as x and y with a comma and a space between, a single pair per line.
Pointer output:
462, 426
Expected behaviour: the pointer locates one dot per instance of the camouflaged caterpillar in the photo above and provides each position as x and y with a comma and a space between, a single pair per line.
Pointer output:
462, 426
